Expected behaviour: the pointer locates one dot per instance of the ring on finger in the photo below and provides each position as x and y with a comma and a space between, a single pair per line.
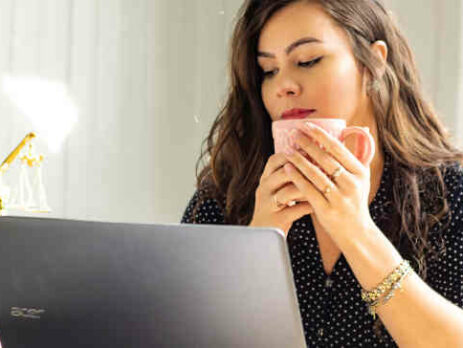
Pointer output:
337, 172
328, 189
277, 203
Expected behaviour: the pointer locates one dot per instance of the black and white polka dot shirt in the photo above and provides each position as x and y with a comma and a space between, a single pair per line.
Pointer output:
332, 311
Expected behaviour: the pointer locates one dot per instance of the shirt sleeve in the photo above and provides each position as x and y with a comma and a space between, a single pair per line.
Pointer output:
445, 274
208, 212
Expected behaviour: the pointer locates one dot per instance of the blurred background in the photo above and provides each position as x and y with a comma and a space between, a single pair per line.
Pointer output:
121, 94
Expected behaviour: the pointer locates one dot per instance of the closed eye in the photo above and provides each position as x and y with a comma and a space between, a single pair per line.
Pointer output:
309, 64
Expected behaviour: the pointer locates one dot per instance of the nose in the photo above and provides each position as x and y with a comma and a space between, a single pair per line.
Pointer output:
288, 87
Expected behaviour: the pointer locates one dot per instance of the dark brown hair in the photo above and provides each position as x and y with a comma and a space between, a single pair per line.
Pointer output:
240, 140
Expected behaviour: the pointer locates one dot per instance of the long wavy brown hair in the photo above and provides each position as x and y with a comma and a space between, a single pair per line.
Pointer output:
240, 140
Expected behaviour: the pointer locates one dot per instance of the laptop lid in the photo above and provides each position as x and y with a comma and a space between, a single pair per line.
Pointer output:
67, 283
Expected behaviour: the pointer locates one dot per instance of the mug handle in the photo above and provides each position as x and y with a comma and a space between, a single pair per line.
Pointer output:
365, 145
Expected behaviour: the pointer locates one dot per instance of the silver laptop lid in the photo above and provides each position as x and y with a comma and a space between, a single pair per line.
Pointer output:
68, 283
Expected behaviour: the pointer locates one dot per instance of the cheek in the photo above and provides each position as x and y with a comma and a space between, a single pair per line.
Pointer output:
339, 90
267, 100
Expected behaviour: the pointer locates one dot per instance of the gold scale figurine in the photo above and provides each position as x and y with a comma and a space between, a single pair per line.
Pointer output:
31, 160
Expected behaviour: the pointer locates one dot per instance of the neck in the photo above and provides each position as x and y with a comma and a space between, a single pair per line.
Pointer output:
377, 164
376, 171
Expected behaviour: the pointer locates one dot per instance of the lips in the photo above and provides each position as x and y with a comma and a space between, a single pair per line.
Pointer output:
296, 114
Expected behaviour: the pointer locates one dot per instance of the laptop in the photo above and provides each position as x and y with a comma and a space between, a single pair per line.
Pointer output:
68, 283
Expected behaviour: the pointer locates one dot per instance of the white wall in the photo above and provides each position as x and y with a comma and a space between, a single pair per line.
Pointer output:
434, 29
148, 77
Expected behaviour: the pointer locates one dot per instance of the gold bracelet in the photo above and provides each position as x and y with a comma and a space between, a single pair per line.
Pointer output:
386, 285
372, 306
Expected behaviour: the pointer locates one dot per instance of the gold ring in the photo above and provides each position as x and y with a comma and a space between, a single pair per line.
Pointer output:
327, 189
278, 204
337, 172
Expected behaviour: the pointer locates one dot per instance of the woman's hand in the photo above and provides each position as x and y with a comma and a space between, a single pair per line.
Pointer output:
274, 192
339, 201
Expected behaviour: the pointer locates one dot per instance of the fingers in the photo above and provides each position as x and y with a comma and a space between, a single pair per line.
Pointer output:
276, 181
269, 210
323, 160
299, 210
287, 194
306, 176
274, 162
291, 214
335, 148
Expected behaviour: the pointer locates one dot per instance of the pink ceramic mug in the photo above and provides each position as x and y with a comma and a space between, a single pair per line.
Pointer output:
364, 147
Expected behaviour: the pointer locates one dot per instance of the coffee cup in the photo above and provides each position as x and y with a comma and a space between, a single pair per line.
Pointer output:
364, 146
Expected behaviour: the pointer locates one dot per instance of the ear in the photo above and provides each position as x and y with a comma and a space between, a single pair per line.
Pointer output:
380, 49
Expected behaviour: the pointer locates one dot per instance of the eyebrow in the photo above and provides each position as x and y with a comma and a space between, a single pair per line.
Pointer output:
304, 40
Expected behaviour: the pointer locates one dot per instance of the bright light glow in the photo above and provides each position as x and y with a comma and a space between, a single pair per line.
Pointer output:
47, 104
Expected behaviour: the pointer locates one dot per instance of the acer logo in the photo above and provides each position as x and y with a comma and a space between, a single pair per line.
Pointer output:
30, 313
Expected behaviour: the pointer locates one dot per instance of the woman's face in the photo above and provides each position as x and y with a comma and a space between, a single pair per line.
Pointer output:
319, 73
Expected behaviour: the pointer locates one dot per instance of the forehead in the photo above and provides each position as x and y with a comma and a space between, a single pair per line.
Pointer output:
300, 19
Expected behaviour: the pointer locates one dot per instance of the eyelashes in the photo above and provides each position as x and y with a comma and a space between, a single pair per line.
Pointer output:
309, 64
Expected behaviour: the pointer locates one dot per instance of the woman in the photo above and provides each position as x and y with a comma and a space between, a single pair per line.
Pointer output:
358, 224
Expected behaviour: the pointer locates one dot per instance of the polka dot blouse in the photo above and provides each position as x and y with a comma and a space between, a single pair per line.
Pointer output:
332, 311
